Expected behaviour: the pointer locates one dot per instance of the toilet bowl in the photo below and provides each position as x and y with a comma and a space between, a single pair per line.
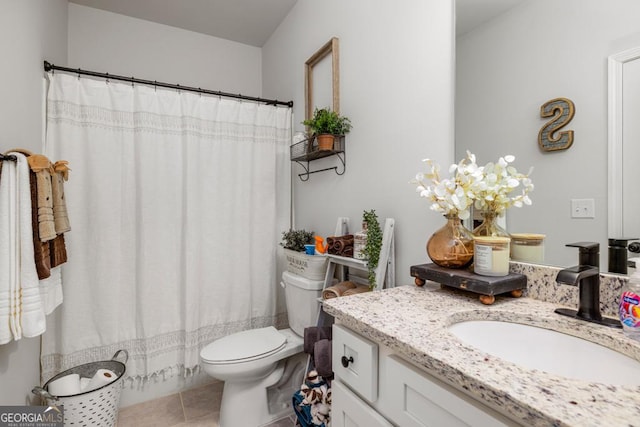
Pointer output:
252, 361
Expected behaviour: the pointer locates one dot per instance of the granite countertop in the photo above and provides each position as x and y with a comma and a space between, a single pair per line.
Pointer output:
413, 322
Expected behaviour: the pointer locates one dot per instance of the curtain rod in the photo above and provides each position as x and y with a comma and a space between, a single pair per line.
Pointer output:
51, 67
9, 157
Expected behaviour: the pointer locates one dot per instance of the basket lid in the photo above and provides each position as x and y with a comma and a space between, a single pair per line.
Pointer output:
244, 345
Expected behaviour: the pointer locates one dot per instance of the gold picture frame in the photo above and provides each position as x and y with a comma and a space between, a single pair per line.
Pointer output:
329, 48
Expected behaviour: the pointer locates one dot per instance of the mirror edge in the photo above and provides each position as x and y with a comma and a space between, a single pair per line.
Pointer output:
615, 122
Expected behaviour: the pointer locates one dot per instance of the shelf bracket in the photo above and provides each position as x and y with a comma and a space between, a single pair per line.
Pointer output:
338, 170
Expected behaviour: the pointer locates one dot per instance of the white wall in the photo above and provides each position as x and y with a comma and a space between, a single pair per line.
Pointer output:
396, 86
507, 69
117, 44
30, 32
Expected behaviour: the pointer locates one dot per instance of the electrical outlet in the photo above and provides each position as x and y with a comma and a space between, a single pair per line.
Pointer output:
583, 208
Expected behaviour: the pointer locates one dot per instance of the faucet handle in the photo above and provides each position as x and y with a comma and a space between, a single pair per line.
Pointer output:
621, 242
588, 253
618, 258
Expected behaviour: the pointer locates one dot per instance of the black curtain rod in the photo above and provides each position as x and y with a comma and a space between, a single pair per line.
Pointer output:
51, 67
9, 157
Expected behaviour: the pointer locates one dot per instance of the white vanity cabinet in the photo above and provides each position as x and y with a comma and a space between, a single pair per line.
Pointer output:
375, 387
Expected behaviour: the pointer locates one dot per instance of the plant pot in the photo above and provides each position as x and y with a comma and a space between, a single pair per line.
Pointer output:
325, 142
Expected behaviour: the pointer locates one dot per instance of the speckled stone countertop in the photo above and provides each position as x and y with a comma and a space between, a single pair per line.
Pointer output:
413, 322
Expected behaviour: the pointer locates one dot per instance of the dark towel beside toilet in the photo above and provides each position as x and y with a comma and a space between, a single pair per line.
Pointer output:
322, 358
314, 334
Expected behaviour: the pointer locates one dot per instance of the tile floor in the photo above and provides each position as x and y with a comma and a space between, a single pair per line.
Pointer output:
198, 407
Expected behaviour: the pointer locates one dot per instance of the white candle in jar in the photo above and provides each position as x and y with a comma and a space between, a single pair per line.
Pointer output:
491, 255
527, 247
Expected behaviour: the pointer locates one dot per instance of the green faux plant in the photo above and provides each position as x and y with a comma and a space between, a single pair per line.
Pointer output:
373, 245
326, 121
296, 239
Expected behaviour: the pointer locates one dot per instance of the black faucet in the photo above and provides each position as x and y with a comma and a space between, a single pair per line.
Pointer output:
586, 276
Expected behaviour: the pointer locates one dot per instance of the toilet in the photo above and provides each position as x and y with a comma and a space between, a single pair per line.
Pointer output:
257, 364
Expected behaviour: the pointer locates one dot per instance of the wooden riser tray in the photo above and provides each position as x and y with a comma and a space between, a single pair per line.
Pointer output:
486, 286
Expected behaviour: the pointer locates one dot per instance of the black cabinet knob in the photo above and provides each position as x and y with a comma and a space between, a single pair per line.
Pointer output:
345, 361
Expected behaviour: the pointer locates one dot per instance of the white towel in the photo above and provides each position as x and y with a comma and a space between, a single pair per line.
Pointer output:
32, 320
51, 291
7, 250
20, 279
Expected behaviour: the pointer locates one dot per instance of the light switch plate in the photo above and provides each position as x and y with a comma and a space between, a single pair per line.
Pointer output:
583, 208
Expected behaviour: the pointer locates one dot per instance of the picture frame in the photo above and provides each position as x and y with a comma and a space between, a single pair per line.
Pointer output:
329, 49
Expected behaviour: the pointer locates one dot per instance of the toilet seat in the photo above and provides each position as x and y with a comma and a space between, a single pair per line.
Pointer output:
244, 346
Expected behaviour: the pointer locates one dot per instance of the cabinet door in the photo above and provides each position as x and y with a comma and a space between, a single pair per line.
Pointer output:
347, 410
360, 356
411, 398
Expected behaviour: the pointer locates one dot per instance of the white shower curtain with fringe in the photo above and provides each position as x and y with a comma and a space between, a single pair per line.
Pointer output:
177, 205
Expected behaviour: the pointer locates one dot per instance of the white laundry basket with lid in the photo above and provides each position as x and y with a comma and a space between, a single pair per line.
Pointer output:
93, 408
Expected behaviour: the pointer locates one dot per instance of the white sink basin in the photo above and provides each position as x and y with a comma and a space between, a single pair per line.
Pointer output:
549, 351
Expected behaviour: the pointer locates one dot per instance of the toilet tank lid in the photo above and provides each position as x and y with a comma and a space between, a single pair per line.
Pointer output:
244, 345
298, 281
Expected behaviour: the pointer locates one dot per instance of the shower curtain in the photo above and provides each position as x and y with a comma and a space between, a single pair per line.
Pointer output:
177, 205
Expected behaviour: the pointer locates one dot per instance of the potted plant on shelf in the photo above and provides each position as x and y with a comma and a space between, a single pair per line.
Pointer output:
325, 125
373, 245
311, 267
295, 240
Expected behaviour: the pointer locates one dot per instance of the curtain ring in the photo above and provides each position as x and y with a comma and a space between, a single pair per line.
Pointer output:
107, 77
155, 85
132, 79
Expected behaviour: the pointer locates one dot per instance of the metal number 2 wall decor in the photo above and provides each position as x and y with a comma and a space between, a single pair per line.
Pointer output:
550, 138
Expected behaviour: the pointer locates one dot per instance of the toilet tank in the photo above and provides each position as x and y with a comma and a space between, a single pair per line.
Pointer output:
301, 297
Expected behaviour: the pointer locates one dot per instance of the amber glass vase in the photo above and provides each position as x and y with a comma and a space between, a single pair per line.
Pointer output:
452, 245
489, 226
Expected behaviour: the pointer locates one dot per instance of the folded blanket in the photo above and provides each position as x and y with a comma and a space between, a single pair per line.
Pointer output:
42, 168
357, 290
313, 334
60, 215
337, 290
322, 358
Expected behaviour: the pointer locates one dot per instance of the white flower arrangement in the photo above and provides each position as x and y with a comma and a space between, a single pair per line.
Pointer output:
494, 192
487, 188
